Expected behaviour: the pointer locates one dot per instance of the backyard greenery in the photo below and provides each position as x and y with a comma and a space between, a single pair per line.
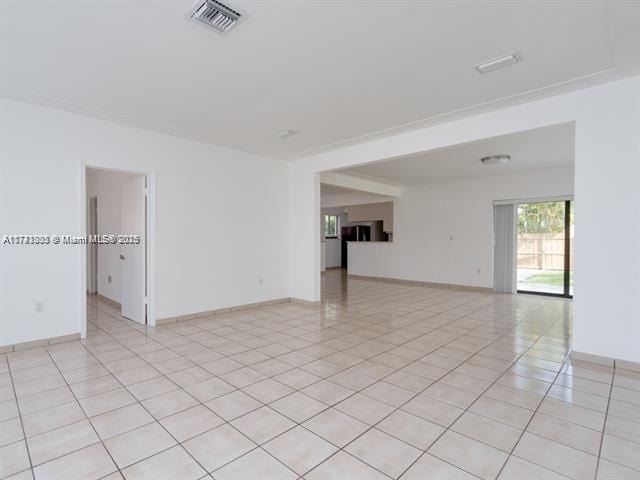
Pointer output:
544, 217
549, 278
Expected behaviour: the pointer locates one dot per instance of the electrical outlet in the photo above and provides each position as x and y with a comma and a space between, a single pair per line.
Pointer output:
108, 278
479, 271
260, 281
39, 306
451, 237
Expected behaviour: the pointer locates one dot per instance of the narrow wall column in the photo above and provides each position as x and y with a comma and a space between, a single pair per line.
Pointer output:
607, 252
305, 233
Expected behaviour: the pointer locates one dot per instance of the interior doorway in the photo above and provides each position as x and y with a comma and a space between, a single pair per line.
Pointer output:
544, 247
119, 227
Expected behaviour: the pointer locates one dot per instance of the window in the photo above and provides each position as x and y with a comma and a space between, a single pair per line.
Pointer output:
331, 226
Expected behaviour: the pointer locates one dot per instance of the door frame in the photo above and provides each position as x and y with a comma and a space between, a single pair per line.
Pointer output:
150, 229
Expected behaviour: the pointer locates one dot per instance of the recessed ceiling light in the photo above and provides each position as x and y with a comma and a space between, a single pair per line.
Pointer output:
286, 134
496, 160
498, 62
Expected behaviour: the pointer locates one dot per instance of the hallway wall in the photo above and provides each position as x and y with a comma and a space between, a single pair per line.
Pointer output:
221, 218
444, 232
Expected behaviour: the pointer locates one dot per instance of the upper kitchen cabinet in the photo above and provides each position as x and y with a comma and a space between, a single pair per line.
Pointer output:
371, 212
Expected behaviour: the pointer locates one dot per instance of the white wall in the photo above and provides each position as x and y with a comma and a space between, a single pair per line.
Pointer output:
444, 232
607, 188
607, 183
107, 187
220, 223
304, 205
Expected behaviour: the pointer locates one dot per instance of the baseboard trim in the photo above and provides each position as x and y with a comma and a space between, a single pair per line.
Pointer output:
221, 311
17, 347
308, 303
419, 283
627, 365
605, 361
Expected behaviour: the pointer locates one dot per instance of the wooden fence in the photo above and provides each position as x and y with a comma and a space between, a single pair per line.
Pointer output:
542, 251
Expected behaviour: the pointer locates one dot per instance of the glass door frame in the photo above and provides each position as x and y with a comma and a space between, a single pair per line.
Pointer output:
567, 253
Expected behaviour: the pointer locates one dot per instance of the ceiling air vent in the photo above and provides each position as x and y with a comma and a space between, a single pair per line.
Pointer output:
216, 15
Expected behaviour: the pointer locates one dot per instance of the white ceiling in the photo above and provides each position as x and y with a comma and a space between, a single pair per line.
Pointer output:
334, 70
533, 149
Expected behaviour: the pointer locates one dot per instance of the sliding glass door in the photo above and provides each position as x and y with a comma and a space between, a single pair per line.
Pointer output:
545, 248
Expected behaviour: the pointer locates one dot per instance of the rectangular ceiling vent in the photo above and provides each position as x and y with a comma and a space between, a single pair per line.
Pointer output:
216, 15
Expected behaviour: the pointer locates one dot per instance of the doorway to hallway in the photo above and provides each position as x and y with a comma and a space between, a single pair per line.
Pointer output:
117, 240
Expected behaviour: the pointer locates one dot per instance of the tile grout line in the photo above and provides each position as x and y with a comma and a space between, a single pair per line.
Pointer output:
380, 379
179, 387
134, 353
155, 420
531, 419
604, 425
225, 422
296, 424
371, 427
432, 383
472, 403
395, 346
337, 351
24, 433
101, 441
531, 346
417, 360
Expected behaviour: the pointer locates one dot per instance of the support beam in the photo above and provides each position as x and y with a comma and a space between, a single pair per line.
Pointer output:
362, 184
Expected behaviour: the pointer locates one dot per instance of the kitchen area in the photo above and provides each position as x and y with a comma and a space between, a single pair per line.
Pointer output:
351, 226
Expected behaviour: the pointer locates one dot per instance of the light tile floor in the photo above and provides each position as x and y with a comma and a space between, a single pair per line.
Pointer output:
380, 381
